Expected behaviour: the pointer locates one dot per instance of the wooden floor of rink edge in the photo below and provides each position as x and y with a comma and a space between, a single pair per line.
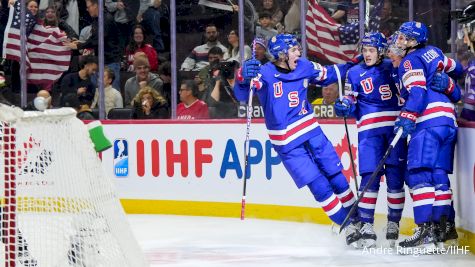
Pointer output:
261, 211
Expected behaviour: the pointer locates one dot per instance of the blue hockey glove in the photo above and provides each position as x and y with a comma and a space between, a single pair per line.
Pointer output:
250, 69
343, 107
442, 83
406, 121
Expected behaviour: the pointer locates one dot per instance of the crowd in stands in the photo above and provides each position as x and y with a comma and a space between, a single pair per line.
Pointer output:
137, 75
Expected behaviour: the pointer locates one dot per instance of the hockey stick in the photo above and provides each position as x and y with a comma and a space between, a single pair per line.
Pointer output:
246, 142
340, 91
371, 179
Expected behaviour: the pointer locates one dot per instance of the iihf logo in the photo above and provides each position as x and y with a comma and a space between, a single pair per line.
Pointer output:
121, 158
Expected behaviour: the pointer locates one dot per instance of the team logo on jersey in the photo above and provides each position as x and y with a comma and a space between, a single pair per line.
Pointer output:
121, 158
407, 65
303, 110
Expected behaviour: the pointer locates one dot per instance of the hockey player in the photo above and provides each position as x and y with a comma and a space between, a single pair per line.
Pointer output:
295, 134
429, 117
372, 97
442, 84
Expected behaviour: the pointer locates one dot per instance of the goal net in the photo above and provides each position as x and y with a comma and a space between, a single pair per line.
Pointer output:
59, 208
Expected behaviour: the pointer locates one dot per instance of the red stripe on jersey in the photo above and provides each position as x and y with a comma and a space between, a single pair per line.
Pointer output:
376, 120
293, 130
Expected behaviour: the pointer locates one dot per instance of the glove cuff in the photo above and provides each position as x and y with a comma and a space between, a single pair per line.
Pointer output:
412, 116
450, 87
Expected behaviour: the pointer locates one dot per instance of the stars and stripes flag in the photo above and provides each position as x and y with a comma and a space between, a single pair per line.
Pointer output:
332, 41
323, 36
47, 57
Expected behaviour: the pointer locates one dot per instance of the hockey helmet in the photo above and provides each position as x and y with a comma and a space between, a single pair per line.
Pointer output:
376, 40
281, 43
415, 30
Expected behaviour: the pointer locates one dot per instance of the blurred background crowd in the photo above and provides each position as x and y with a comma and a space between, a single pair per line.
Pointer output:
138, 51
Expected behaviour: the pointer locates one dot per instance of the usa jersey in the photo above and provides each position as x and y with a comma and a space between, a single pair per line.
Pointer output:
416, 72
288, 114
377, 98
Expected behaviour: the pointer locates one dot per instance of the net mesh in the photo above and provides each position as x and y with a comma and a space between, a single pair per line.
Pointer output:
59, 206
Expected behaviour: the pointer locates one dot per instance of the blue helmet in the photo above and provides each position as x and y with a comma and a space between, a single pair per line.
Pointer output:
375, 39
415, 30
281, 43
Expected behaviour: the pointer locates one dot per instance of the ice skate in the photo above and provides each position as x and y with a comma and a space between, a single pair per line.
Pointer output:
392, 233
421, 242
440, 235
368, 236
353, 235
451, 235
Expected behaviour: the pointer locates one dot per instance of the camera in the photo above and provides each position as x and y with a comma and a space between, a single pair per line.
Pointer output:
226, 68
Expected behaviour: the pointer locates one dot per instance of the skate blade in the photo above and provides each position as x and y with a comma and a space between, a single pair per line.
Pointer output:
425, 249
356, 245
391, 243
368, 243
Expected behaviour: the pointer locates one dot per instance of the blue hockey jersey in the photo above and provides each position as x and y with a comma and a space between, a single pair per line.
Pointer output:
416, 72
288, 114
376, 98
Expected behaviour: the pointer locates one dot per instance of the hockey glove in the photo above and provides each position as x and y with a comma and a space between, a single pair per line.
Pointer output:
343, 108
406, 121
442, 83
250, 69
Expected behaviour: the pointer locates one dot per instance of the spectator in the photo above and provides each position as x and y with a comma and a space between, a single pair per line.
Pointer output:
112, 54
221, 97
47, 97
153, 21
388, 24
329, 95
191, 107
112, 97
125, 15
165, 74
260, 50
138, 44
233, 48
347, 12
81, 106
197, 59
265, 30
51, 19
292, 18
80, 83
143, 77
150, 104
273, 9
215, 55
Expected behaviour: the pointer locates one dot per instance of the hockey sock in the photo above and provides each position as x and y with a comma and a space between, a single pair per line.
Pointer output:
329, 201
395, 192
443, 195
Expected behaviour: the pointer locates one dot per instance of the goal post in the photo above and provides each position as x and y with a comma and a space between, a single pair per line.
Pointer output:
59, 208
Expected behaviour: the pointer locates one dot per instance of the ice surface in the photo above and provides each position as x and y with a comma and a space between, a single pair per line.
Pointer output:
179, 241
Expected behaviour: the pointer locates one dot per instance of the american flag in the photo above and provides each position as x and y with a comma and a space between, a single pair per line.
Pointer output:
332, 41
47, 57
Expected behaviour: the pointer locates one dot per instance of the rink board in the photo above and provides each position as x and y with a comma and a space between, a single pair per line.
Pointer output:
171, 167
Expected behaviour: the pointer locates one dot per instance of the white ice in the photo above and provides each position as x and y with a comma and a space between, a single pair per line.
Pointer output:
179, 241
